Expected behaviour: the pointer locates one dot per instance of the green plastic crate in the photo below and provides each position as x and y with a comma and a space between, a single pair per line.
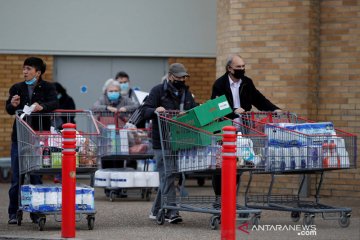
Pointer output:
206, 113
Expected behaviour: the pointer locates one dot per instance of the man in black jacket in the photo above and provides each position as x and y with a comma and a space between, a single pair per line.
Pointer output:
241, 94
171, 94
40, 94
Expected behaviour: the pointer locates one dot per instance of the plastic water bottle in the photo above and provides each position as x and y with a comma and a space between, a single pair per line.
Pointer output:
314, 157
334, 157
46, 157
325, 154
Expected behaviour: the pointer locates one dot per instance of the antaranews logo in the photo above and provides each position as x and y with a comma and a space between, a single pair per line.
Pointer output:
301, 230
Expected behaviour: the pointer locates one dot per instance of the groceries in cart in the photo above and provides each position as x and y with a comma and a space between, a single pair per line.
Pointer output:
48, 197
41, 147
122, 138
295, 143
125, 178
86, 150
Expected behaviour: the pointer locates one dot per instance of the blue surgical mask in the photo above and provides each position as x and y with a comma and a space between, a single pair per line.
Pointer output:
113, 96
31, 82
124, 87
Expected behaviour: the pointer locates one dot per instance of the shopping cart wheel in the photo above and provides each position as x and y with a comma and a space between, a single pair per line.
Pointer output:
112, 196
91, 221
295, 216
160, 217
214, 222
344, 220
41, 223
308, 219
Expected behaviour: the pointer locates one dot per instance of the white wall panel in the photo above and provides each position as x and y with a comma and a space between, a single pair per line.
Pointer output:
109, 27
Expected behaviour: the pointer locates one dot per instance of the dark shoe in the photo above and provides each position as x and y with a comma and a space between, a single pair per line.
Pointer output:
175, 219
12, 219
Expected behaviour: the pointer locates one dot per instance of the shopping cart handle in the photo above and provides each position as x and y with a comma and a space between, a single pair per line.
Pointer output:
69, 110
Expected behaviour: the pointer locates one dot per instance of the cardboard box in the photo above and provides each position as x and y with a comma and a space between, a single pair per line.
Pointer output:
206, 113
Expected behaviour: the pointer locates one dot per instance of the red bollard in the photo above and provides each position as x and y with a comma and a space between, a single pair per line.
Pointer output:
68, 180
228, 183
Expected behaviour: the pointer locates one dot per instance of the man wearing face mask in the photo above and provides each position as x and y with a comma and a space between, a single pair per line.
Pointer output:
171, 94
40, 94
241, 94
239, 89
125, 89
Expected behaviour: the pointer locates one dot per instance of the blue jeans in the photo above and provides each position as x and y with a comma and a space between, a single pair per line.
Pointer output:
167, 183
15, 180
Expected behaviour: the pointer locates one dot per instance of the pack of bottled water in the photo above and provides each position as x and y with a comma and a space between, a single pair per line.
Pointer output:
48, 197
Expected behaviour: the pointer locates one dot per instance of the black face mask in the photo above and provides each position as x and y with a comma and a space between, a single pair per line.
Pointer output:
179, 85
239, 73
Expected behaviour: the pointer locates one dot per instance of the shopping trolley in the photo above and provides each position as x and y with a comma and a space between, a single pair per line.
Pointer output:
299, 146
187, 149
40, 150
122, 144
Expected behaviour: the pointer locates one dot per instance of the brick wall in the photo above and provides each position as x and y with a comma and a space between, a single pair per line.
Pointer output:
10, 73
304, 56
339, 82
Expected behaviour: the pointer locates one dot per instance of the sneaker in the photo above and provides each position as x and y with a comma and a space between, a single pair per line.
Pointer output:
174, 219
152, 216
12, 219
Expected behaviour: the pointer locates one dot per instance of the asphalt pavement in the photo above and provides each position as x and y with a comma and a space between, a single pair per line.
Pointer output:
127, 218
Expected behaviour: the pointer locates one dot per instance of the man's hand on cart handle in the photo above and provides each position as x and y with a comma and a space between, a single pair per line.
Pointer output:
15, 100
160, 109
37, 107
239, 110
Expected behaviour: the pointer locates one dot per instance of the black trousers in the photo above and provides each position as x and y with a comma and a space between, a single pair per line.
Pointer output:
216, 183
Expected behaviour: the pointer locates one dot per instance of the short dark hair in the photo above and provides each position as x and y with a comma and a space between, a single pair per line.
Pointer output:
122, 74
36, 63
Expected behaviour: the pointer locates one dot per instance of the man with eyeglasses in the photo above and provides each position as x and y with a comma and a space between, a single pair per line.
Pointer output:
171, 94
241, 94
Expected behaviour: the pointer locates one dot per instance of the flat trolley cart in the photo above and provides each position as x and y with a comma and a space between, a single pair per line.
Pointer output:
191, 150
299, 146
40, 150
122, 146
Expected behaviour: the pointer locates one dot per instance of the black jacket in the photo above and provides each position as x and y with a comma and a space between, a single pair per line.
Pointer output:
66, 102
44, 94
248, 93
163, 95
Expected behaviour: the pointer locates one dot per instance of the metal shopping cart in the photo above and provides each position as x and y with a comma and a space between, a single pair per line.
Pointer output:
299, 146
191, 150
123, 146
40, 152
